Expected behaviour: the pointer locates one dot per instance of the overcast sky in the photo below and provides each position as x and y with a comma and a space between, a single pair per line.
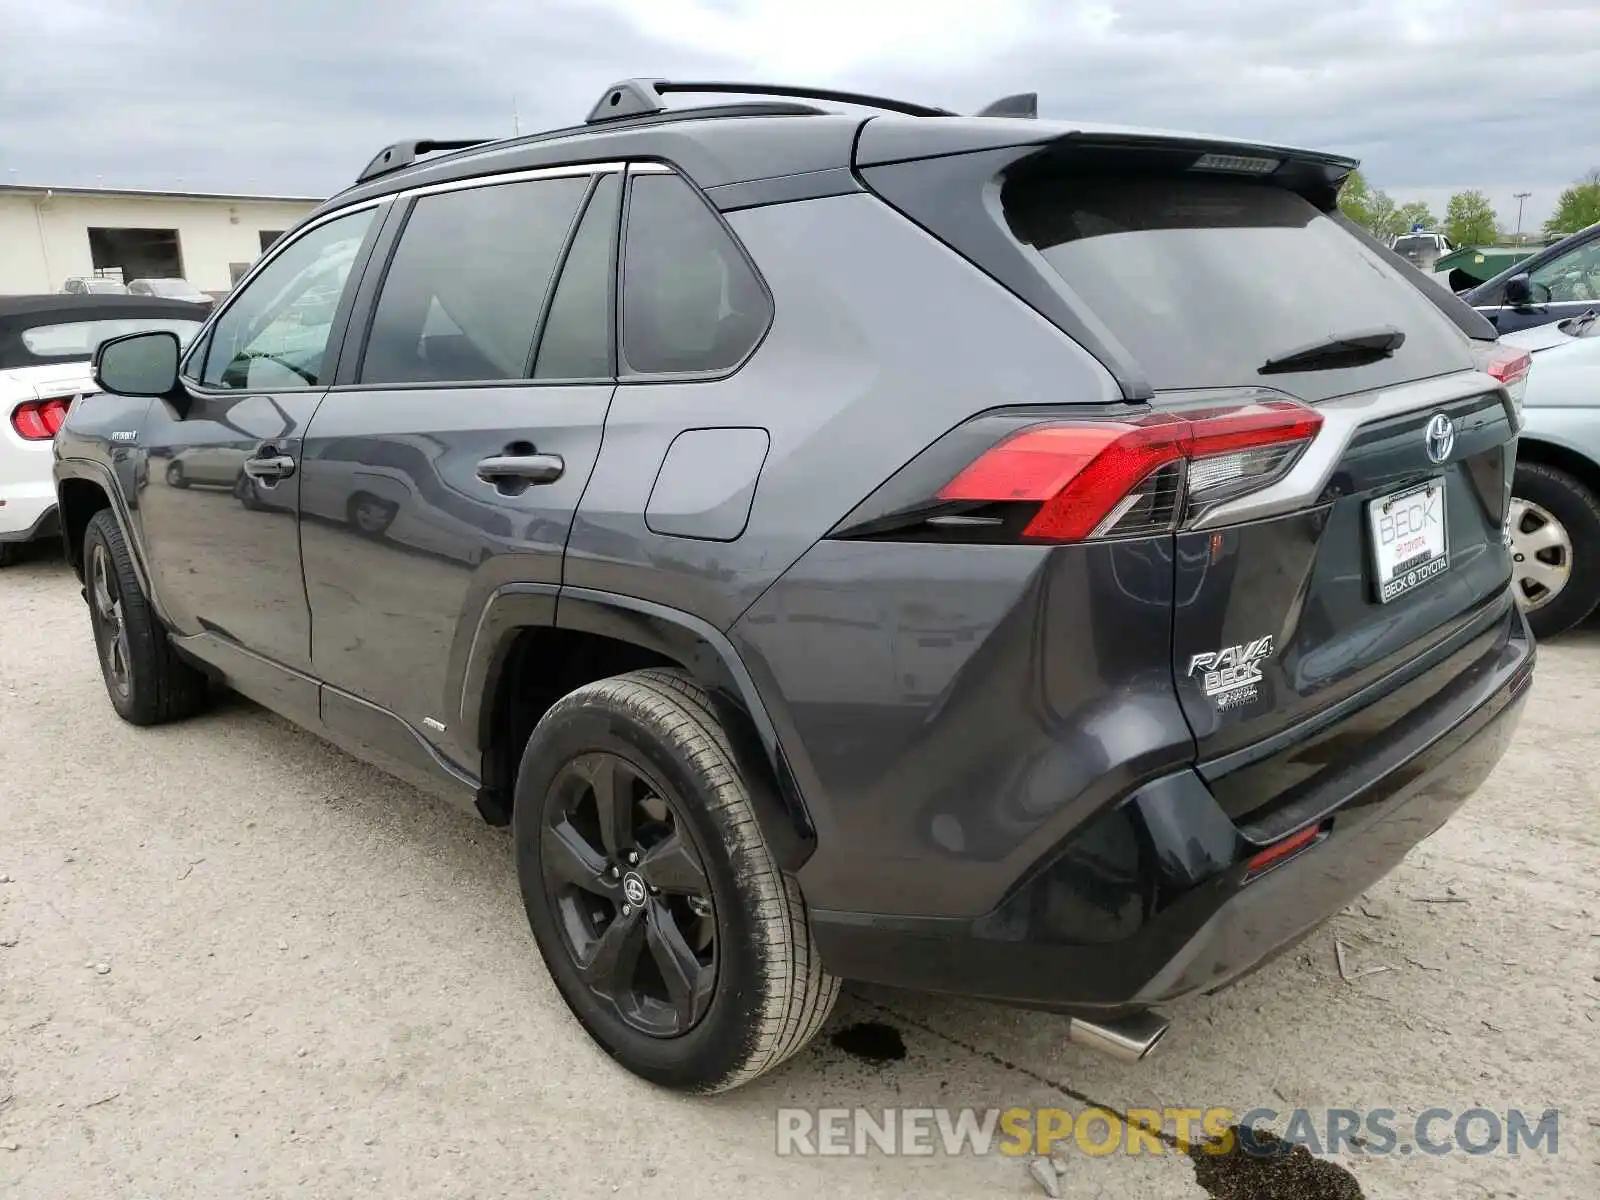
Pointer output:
293, 96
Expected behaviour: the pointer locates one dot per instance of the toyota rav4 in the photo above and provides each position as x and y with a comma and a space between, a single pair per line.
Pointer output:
1024, 559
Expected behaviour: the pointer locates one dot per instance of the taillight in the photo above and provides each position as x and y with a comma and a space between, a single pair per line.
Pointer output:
40, 420
1510, 366
1066, 480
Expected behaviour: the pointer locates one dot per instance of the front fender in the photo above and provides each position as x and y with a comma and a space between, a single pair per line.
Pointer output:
92, 471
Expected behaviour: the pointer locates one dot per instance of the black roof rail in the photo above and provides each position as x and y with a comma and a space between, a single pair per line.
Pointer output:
1023, 104
403, 154
642, 97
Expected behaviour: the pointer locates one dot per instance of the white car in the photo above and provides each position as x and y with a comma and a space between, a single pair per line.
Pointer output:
169, 289
1555, 507
47, 346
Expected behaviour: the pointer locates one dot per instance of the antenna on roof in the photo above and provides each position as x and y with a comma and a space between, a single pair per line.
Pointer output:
1023, 104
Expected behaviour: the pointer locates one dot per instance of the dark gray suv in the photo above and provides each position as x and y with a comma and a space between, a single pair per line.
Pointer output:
1015, 558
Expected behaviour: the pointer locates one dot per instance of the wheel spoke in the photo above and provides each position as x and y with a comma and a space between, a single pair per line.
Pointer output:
673, 866
102, 586
1551, 576
689, 981
608, 971
1548, 536
569, 858
612, 784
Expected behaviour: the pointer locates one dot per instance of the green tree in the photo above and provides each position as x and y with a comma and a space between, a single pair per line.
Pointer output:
1578, 208
1469, 220
1355, 199
1383, 218
1415, 212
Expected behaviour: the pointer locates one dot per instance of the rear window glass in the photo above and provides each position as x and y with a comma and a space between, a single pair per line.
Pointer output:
80, 339
1203, 280
1415, 245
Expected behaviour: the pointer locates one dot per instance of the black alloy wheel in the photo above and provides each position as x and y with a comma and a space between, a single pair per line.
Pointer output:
629, 891
110, 627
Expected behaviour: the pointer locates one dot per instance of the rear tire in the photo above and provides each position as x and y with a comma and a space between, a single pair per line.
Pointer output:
8, 554
147, 682
1555, 528
768, 993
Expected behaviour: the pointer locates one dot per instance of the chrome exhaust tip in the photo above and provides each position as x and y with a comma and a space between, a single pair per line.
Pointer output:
1128, 1039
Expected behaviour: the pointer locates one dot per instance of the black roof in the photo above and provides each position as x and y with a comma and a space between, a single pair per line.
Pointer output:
22, 311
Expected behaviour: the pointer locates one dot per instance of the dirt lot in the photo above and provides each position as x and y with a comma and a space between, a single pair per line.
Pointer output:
235, 962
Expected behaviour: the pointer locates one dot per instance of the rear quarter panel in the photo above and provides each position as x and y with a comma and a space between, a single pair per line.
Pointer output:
882, 339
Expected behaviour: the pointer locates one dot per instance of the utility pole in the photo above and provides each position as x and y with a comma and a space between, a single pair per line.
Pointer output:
516, 123
1520, 196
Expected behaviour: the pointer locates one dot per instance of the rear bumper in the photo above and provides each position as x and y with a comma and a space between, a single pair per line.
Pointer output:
25, 518
1186, 915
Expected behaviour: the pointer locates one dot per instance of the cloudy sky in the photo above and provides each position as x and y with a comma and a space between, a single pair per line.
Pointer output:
293, 96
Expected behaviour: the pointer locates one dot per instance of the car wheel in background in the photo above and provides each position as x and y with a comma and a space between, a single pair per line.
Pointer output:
147, 682
369, 515
1555, 548
669, 930
175, 475
8, 553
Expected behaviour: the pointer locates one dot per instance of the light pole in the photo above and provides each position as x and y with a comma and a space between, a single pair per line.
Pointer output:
1520, 196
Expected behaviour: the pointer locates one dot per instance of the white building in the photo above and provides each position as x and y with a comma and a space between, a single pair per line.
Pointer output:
49, 235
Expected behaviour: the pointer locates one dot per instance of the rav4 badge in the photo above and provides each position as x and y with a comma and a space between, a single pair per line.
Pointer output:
1229, 676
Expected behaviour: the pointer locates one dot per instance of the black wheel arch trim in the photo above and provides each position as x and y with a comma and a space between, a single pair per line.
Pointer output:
703, 650
97, 473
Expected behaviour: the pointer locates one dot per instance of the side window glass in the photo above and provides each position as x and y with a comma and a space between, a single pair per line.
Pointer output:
690, 301
467, 283
1573, 276
275, 334
576, 343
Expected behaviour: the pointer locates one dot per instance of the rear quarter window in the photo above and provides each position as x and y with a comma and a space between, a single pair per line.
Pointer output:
1202, 280
691, 303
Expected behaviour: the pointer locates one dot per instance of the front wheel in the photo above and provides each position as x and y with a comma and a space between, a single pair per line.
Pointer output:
1555, 548
673, 936
147, 682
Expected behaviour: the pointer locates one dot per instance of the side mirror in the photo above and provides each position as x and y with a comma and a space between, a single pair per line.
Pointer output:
138, 364
1519, 290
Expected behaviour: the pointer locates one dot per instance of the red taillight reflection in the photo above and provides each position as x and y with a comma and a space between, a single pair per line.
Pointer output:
1509, 365
1278, 851
40, 420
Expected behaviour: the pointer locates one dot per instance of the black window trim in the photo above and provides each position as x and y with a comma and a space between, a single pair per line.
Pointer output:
200, 347
625, 373
347, 377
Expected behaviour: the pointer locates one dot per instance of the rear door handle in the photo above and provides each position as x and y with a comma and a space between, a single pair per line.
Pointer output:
521, 468
269, 466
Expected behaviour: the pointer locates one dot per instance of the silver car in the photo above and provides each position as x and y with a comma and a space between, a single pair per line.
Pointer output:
1555, 510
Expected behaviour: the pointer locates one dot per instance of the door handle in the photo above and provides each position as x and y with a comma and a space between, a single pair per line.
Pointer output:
513, 469
269, 467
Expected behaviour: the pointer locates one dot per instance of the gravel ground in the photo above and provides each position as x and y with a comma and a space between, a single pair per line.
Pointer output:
236, 962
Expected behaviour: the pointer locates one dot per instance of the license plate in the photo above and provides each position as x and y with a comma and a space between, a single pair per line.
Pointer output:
1409, 546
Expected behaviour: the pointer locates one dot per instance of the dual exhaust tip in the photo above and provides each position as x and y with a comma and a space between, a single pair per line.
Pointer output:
1127, 1039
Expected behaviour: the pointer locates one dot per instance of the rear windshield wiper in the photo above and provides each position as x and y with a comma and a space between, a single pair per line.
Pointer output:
1341, 350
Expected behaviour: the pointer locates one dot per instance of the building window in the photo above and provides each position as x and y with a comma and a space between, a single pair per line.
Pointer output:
137, 253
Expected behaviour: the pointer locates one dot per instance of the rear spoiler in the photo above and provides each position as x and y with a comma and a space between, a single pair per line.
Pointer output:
1315, 174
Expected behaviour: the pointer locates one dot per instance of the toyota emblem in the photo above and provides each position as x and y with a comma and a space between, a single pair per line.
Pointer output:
1441, 437
633, 888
